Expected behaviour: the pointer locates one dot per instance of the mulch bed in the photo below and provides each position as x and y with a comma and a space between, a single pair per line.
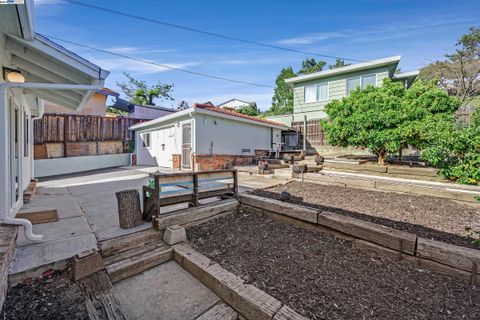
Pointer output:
325, 278
53, 296
428, 217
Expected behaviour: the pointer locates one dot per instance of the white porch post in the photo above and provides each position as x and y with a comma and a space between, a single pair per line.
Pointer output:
4, 154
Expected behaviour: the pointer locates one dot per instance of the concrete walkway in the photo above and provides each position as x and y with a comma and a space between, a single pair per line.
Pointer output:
87, 209
166, 292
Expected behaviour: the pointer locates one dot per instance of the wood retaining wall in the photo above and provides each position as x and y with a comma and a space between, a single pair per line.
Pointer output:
455, 261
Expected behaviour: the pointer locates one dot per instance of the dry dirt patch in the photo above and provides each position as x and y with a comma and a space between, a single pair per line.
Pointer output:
325, 278
52, 297
429, 217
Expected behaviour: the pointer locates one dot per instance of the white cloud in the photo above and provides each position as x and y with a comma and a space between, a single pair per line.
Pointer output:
311, 38
137, 67
129, 50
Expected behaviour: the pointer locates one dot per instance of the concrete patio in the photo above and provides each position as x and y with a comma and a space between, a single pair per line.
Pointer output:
87, 211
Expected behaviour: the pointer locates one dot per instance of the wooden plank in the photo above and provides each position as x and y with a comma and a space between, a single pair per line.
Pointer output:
133, 252
448, 254
189, 215
127, 242
134, 265
382, 235
100, 297
284, 208
37, 217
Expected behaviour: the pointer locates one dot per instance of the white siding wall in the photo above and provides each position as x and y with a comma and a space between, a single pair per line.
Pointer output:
229, 137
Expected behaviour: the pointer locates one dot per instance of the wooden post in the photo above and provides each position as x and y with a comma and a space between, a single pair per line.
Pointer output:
195, 189
129, 210
235, 183
305, 134
156, 194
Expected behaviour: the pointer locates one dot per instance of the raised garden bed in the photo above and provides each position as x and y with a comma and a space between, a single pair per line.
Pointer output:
53, 296
428, 217
325, 278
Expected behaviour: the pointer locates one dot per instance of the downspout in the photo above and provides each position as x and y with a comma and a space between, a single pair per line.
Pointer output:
5, 217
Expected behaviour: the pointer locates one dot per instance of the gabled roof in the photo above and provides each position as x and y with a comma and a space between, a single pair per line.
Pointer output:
235, 99
212, 111
391, 61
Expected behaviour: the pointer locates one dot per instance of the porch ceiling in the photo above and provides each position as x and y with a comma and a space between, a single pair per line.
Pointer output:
43, 61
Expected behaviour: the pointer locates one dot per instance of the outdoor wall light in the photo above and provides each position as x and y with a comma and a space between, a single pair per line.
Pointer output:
12, 75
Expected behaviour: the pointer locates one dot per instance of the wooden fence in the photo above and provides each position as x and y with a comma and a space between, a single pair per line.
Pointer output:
63, 135
315, 134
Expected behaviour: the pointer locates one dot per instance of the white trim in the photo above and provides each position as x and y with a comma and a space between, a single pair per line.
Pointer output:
351, 68
406, 74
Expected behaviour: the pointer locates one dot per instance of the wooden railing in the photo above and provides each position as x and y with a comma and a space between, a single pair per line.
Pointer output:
173, 188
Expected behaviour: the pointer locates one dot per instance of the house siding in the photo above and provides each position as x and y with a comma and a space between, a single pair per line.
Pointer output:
337, 87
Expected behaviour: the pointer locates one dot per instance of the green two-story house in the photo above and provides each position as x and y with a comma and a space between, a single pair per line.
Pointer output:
313, 91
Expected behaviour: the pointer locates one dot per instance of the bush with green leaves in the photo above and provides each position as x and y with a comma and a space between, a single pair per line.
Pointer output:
455, 149
388, 118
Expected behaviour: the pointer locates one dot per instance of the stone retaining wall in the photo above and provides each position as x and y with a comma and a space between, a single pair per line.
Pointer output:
456, 261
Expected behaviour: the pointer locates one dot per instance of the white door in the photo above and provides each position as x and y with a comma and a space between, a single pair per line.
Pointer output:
165, 145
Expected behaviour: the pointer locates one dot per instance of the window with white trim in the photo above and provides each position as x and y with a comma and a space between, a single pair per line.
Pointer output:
361, 82
322, 92
145, 140
367, 80
310, 93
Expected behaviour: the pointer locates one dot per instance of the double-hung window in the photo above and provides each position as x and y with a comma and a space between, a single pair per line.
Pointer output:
369, 80
352, 84
310, 93
316, 92
322, 92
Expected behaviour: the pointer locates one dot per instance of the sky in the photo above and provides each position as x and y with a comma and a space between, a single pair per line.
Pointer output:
421, 31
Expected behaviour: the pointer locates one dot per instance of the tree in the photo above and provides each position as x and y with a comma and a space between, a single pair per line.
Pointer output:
142, 94
339, 63
459, 74
388, 118
311, 65
282, 100
250, 110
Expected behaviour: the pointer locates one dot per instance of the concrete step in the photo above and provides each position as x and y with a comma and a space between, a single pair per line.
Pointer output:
128, 242
136, 264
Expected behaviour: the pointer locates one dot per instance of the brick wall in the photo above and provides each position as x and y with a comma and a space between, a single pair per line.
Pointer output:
221, 161
177, 161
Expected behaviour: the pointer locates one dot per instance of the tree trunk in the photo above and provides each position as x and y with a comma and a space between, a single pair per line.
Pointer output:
129, 210
381, 158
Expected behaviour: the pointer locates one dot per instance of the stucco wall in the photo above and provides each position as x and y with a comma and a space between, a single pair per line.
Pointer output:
53, 167
95, 106
223, 136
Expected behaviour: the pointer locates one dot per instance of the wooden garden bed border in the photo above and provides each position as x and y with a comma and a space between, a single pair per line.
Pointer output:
249, 301
456, 261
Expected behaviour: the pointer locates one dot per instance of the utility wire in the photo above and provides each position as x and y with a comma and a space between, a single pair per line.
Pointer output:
158, 64
208, 33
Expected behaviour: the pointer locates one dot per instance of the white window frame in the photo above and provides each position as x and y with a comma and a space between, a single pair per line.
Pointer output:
328, 91
142, 138
305, 93
361, 81
368, 75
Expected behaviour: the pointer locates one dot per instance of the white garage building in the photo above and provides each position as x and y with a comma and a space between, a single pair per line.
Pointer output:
208, 137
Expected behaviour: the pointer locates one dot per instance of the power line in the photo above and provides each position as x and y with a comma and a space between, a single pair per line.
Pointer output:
208, 33
159, 64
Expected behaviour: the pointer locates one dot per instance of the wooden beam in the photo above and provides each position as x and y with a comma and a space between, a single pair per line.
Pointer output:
37, 217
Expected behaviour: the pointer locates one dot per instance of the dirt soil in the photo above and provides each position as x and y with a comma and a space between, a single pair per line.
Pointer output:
325, 278
429, 217
52, 297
